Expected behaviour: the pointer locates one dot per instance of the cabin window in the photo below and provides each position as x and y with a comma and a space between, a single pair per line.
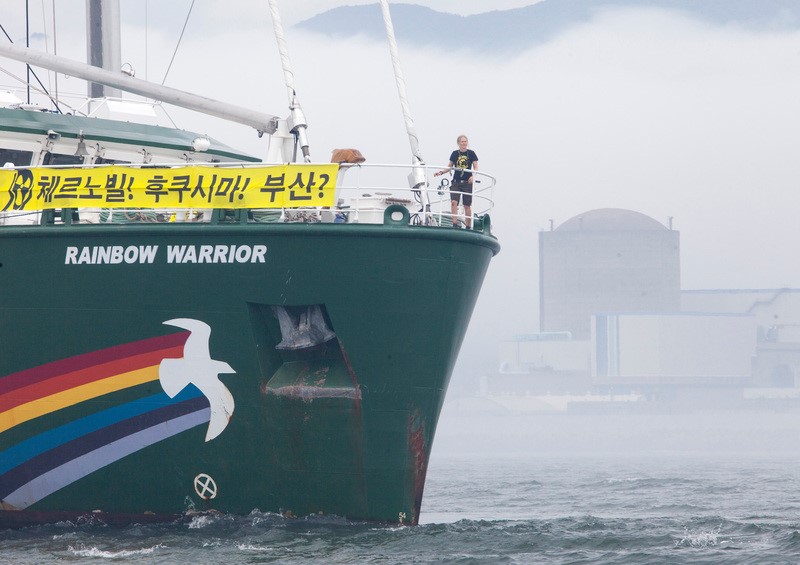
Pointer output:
16, 157
62, 159
104, 161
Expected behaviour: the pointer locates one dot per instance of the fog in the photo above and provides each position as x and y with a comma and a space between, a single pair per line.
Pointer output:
758, 433
638, 109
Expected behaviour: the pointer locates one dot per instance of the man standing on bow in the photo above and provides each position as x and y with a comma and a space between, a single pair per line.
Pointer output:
462, 159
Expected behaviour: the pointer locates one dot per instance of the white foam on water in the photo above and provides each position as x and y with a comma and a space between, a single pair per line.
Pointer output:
83, 551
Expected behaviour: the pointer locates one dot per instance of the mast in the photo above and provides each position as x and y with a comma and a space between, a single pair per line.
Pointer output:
103, 43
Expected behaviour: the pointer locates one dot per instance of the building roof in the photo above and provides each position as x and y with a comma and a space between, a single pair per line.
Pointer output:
611, 219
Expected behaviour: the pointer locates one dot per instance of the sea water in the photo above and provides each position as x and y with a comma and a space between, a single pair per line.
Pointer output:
551, 492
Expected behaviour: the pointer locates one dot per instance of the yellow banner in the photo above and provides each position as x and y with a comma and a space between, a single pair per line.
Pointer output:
278, 186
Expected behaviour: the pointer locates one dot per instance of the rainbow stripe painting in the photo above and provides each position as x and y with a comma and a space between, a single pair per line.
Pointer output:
35, 466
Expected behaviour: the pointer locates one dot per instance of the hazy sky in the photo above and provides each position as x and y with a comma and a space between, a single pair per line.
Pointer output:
637, 109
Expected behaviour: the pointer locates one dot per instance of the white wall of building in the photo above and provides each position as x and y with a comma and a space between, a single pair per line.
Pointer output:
678, 348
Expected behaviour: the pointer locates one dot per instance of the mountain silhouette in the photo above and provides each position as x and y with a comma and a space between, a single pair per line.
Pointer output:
507, 31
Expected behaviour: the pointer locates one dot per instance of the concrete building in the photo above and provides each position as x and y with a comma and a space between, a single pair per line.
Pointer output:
673, 349
607, 260
614, 320
776, 315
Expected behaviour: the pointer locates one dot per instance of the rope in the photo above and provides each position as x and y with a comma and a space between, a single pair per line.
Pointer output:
418, 178
298, 118
283, 51
179, 43
401, 84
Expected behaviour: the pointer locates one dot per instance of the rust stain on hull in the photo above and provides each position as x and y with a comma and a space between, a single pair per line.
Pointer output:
418, 452
308, 393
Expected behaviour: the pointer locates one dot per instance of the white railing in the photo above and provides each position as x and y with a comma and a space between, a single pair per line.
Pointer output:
363, 192
368, 189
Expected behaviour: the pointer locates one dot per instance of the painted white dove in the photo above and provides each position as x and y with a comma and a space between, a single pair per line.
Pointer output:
198, 368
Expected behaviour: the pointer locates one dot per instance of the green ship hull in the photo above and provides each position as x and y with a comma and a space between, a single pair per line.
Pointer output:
333, 345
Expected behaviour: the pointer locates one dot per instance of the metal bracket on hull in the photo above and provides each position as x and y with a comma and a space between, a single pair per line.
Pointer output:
302, 328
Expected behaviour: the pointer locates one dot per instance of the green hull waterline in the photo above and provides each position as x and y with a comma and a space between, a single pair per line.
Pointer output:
343, 427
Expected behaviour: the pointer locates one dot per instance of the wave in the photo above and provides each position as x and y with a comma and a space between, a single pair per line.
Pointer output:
82, 551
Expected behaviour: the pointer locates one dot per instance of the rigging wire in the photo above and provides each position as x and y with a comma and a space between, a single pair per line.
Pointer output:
43, 90
185, 23
28, 44
55, 47
146, 48
6, 34
46, 42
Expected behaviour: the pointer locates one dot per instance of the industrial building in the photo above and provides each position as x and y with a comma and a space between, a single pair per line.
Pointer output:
607, 260
615, 321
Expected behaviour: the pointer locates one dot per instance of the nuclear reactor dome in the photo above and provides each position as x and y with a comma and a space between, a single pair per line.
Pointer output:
606, 260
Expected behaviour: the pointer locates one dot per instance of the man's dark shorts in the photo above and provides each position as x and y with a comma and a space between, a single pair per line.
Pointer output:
457, 188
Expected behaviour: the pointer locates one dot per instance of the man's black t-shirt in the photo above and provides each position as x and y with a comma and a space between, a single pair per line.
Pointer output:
462, 160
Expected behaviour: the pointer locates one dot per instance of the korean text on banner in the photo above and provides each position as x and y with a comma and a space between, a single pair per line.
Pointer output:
279, 186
